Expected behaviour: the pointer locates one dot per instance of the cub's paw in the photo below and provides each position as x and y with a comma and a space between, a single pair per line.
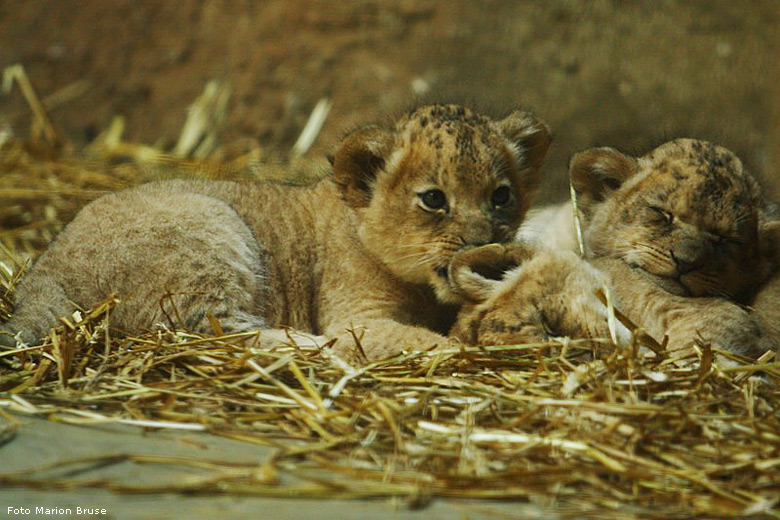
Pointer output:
723, 325
549, 294
475, 273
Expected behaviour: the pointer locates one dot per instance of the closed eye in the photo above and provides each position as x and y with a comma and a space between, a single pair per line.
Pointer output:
661, 214
730, 240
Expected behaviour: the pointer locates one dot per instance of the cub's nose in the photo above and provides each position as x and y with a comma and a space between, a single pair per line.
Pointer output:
690, 255
478, 232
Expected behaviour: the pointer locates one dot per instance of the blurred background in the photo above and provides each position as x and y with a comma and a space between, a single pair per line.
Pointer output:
627, 74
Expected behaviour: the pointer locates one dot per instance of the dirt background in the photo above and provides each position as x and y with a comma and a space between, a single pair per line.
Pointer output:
604, 72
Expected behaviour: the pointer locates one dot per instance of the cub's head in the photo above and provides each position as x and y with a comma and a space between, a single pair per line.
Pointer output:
445, 177
687, 214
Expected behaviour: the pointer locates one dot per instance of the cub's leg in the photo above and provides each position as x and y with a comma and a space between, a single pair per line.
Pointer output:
43, 302
684, 320
766, 306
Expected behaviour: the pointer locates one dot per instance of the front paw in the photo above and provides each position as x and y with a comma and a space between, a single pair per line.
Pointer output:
724, 325
474, 273
550, 295
505, 325
490, 260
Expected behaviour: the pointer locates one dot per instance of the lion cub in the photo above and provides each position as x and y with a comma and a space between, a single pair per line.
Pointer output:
685, 236
364, 251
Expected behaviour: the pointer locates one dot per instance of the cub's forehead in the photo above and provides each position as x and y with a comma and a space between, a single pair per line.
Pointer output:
453, 140
436, 116
695, 177
692, 157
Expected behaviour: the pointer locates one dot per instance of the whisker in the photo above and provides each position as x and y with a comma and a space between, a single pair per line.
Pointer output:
743, 217
419, 254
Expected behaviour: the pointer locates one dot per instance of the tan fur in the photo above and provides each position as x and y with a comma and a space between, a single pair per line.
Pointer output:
766, 307
766, 302
548, 294
682, 233
358, 251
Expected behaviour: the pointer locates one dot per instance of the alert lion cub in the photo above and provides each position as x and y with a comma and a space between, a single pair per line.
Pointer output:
364, 251
685, 236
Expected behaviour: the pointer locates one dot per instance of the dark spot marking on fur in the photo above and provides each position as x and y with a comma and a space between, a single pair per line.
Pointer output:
697, 147
473, 328
714, 188
718, 161
501, 326
434, 141
464, 142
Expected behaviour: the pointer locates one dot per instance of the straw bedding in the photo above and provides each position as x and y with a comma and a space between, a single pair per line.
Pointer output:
578, 428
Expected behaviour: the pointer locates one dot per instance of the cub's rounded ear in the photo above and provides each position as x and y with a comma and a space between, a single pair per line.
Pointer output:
357, 161
597, 172
530, 137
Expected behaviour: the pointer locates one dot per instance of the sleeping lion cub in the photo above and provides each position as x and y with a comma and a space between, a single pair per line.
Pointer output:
685, 236
364, 251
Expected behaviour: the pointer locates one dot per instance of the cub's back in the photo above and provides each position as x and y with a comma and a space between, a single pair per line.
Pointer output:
169, 248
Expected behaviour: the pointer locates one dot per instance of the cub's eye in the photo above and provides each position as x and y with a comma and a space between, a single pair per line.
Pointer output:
730, 241
662, 214
433, 199
501, 196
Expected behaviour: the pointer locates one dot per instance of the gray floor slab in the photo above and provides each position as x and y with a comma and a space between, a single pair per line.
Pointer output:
39, 442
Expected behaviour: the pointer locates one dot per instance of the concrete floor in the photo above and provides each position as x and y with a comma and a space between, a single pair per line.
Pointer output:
39, 442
